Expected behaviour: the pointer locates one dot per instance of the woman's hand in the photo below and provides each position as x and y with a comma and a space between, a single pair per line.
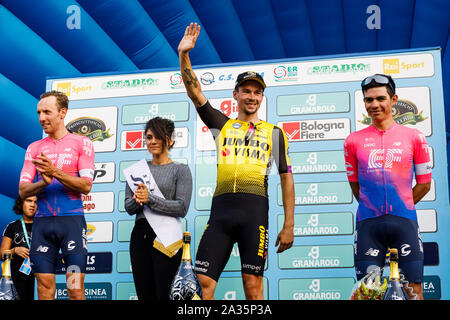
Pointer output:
22, 252
141, 194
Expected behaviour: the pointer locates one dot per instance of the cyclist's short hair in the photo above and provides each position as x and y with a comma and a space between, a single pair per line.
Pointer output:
61, 99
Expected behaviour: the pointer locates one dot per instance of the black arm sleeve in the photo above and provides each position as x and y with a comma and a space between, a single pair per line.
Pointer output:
279, 151
213, 118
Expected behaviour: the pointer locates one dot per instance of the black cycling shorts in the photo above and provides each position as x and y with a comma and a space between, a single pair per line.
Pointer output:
374, 236
237, 217
51, 234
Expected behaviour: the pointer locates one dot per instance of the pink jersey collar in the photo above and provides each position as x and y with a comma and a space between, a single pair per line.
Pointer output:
392, 127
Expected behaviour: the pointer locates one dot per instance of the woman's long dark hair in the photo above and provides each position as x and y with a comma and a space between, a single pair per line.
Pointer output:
18, 206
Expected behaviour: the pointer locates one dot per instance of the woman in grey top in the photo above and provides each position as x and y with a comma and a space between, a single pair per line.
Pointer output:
153, 271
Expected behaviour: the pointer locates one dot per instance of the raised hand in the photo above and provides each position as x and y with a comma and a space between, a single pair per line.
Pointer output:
190, 37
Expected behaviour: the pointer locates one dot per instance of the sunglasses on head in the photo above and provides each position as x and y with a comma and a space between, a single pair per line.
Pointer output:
379, 79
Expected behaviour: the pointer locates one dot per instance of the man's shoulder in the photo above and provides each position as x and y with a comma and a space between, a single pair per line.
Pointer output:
362, 132
268, 125
38, 143
79, 139
407, 130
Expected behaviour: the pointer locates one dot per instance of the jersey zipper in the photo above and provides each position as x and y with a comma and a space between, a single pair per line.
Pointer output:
384, 171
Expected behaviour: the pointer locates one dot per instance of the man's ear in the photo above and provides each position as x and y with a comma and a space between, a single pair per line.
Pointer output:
63, 112
394, 98
235, 93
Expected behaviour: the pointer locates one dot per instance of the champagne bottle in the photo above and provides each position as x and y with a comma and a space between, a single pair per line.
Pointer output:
185, 285
7, 289
395, 290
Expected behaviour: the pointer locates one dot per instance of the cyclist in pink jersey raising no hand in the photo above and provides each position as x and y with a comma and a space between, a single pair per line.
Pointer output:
64, 165
381, 161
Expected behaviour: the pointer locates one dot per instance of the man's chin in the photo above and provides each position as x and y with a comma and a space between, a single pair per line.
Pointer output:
47, 130
250, 111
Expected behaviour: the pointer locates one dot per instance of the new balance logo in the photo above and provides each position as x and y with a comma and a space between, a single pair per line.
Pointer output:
372, 252
42, 249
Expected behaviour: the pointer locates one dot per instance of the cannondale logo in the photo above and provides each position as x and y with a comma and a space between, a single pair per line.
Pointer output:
376, 158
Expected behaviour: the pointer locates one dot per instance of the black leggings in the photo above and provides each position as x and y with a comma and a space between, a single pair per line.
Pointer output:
24, 286
153, 271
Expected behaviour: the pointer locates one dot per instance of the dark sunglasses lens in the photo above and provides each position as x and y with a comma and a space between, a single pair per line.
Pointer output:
377, 79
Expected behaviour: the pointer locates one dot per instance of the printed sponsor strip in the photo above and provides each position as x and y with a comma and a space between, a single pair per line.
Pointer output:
104, 172
320, 224
274, 74
320, 193
99, 231
135, 140
141, 113
315, 289
313, 103
314, 257
92, 291
316, 130
317, 162
98, 202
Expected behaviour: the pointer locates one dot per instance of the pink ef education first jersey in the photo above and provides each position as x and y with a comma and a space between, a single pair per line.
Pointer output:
383, 163
74, 154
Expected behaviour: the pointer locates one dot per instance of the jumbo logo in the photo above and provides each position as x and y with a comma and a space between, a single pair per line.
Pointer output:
247, 149
262, 252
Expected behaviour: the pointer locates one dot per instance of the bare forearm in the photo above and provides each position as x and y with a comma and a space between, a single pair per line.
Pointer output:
28, 189
420, 190
355, 189
287, 188
79, 184
191, 83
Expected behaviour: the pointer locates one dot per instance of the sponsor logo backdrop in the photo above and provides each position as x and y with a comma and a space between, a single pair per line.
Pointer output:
318, 103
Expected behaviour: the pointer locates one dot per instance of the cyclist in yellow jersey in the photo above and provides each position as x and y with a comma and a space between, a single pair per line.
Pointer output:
246, 147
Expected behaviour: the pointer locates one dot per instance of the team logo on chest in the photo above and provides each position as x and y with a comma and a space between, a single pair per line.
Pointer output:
378, 158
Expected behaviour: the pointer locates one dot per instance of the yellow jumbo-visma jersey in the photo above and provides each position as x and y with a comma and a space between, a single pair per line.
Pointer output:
243, 164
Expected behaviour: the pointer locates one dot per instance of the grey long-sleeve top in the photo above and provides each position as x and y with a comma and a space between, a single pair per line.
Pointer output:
175, 182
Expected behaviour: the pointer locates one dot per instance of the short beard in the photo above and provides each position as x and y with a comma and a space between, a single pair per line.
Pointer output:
249, 113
